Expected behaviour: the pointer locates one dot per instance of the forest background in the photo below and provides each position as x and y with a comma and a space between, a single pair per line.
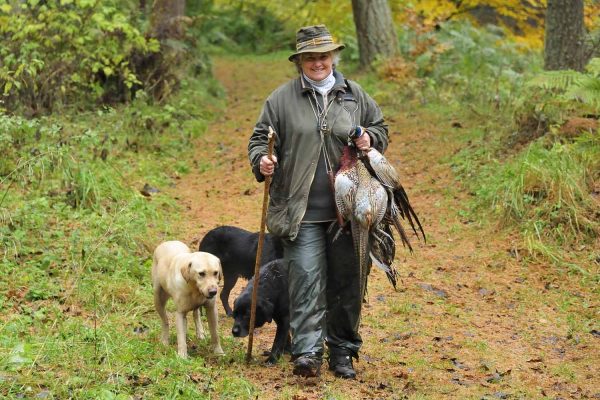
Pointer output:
104, 104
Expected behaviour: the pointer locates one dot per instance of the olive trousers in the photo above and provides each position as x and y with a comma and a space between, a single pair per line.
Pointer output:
325, 301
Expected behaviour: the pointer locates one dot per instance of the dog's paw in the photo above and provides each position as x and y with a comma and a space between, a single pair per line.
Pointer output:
271, 360
218, 351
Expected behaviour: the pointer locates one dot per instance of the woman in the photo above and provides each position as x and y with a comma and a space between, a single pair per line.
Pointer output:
314, 116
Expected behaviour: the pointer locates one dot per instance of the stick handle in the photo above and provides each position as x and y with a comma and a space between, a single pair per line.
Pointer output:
261, 239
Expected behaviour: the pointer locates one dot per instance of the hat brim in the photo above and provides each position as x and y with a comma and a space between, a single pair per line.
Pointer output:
318, 49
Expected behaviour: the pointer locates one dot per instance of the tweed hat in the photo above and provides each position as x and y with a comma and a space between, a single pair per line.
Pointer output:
314, 39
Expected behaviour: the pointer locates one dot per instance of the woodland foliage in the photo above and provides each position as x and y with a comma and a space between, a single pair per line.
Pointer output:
57, 51
531, 156
523, 20
241, 28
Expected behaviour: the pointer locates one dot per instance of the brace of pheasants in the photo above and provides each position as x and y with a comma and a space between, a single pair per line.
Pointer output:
369, 195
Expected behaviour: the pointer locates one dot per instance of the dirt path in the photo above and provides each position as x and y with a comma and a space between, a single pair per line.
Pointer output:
472, 319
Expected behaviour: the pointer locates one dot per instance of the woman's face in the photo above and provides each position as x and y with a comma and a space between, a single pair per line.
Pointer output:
317, 66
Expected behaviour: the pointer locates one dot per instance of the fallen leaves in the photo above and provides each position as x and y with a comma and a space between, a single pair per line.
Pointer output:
149, 191
429, 288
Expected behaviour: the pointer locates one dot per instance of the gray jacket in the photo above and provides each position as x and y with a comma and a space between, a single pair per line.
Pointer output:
298, 143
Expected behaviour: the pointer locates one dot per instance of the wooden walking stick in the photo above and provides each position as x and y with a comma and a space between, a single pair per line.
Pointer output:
261, 239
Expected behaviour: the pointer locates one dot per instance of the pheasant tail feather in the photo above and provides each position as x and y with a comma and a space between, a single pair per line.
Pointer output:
407, 212
361, 247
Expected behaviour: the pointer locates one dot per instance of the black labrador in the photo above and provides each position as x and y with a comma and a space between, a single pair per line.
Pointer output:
272, 304
236, 248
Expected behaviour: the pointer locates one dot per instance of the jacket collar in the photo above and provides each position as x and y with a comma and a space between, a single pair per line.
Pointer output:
338, 86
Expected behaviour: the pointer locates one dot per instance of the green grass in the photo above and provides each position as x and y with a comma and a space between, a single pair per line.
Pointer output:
564, 371
75, 238
545, 190
109, 361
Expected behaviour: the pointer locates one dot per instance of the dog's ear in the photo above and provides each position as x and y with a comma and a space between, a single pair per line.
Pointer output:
186, 271
266, 308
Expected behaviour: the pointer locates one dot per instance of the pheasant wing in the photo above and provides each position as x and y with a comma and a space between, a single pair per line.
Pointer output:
385, 172
345, 193
383, 251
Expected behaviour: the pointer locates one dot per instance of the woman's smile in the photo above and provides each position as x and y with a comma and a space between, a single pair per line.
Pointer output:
317, 66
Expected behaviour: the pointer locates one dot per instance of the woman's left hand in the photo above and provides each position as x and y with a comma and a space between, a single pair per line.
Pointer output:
363, 142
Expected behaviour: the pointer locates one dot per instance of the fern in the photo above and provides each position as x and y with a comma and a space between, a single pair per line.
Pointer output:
583, 87
588, 91
556, 80
593, 66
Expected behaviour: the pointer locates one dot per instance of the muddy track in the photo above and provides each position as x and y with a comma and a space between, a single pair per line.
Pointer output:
471, 317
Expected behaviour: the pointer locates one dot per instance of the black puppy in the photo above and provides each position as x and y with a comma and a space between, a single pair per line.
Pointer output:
272, 303
236, 248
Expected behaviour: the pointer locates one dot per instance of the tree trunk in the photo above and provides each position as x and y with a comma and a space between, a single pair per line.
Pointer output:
375, 30
159, 71
167, 19
564, 35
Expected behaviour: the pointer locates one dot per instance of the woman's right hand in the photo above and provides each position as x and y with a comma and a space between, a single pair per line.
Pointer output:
267, 167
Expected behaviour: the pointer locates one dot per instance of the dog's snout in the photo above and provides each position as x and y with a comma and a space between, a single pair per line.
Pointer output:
212, 293
238, 330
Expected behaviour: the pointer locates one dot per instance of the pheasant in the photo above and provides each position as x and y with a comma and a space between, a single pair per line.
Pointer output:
368, 193
362, 200
398, 203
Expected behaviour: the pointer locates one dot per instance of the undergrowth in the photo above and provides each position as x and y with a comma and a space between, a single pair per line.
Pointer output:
546, 191
58, 52
76, 233
521, 168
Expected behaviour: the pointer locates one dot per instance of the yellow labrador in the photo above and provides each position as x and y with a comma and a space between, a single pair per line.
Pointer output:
191, 280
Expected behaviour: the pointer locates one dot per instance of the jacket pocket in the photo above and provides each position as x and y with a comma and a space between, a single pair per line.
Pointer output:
277, 217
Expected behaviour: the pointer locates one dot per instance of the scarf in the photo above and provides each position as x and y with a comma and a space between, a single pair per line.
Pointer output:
323, 86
